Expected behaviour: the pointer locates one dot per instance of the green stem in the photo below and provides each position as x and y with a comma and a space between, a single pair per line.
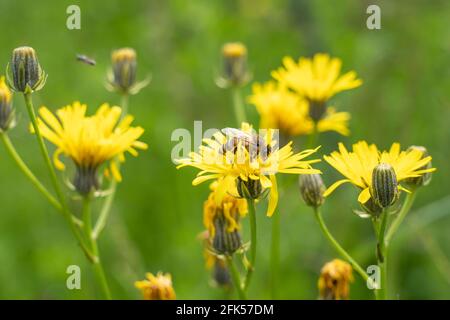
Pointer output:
313, 137
87, 226
236, 278
27, 172
401, 215
338, 247
238, 105
106, 208
251, 267
382, 255
58, 190
275, 254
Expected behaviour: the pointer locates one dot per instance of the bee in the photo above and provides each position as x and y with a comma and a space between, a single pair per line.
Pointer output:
253, 142
85, 59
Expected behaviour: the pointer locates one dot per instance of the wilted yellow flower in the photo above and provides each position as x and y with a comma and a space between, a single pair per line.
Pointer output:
221, 219
280, 108
90, 141
317, 79
247, 162
334, 281
357, 166
157, 287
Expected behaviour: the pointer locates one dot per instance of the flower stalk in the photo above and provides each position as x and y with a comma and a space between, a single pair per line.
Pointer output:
236, 278
251, 266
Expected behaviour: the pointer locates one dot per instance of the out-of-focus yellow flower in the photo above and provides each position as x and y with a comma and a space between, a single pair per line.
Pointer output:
90, 141
249, 164
7, 118
157, 287
357, 166
280, 108
317, 79
334, 281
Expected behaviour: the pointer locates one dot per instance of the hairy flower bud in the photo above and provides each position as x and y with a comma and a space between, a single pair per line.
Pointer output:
384, 188
424, 179
122, 77
235, 73
7, 115
312, 189
24, 73
250, 189
86, 180
225, 241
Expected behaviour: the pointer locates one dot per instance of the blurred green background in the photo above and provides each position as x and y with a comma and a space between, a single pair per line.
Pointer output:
158, 214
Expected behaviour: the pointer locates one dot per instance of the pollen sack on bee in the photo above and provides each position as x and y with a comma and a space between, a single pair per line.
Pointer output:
384, 188
85, 179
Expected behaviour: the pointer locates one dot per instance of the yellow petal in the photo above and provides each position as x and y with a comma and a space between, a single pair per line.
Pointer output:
273, 196
334, 186
364, 196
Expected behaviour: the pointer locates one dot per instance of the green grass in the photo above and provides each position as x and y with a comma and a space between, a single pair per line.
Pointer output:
158, 214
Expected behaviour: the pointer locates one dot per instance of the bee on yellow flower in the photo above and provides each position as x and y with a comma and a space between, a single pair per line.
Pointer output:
358, 165
317, 79
90, 141
246, 162
280, 108
157, 287
334, 281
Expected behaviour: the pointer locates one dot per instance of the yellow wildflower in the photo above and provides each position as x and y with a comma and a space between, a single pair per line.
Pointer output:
357, 166
157, 287
280, 108
90, 141
249, 164
317, 79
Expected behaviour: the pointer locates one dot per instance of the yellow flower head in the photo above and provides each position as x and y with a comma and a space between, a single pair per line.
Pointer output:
317, 79
357, 166
280, 108
334, 281
157, 287
247, 162
90, 141
7, 114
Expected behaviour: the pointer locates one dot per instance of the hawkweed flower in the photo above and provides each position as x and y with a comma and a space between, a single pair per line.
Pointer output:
234, 73
247, 163
24, 73
358, 165
90, 141
7, 114
312, 189
122, 76
317, 79
221, 219
280, 108
334, 281
157, 287
424, 179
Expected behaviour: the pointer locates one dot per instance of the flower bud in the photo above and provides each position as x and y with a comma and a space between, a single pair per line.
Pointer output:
234, 55
157, 287
221, 274
424, 179
225, 241
250, 189
384, 188
312, 189
86, 180
334, 281
7, 115
124, 68
24, 72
